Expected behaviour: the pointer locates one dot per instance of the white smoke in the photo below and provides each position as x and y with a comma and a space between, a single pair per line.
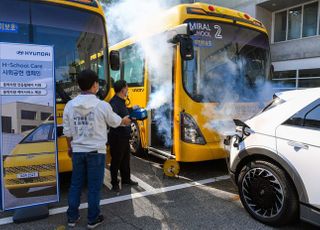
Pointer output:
236, 98
134, 18
139, 18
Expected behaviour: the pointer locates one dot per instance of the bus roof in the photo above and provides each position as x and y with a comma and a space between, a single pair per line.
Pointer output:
180, 13
91, 5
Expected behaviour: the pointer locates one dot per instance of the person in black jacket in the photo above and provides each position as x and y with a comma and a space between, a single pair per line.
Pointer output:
119, 139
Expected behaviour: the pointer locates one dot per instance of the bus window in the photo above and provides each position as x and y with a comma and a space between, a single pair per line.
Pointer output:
132, 65
15, 14
71, 33
115, 75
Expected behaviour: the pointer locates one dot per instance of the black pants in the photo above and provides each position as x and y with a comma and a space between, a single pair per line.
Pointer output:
120, 159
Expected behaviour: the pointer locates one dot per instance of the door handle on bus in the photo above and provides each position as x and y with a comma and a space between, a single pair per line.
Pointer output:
298, 145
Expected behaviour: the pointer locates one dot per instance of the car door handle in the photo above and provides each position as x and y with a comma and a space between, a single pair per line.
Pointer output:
298, 145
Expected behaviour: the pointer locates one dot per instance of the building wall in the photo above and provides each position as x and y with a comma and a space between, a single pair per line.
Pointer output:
14, 110
296, 49
10, 110
265, 17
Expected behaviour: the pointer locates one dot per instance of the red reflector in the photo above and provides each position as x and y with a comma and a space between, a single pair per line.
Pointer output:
247, 16
211, 8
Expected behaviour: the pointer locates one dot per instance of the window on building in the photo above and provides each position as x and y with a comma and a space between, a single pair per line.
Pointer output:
27, 127
297, 22
44, 116
291, 79
28, 115
309, 83
284, 79
309, 73
294, 24
6, 124
309, 78
284, 74
280, 26
310, 19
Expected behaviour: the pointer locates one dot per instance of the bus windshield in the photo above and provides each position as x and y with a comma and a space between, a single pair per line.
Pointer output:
231, 62
78, 37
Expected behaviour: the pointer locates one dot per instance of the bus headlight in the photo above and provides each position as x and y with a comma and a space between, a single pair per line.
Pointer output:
190, 131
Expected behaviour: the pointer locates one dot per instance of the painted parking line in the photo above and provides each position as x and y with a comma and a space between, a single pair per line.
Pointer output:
220, 193
107, 179
142, 184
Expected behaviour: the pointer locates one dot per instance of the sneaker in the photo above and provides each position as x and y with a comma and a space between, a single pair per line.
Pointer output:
131, 183
96, 223
116, 188
73, 223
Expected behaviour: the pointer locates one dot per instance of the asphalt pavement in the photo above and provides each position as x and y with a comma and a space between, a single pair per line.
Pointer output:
202, 197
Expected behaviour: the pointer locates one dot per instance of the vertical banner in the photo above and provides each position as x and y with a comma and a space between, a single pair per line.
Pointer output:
28, 146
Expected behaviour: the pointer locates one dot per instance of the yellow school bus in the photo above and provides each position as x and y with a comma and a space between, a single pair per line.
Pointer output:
76, 29
230, 47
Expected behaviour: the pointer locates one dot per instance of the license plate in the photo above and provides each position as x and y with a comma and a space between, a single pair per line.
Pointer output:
27, 175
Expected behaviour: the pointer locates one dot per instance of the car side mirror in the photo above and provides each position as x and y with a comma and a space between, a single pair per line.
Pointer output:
186, 48
115, 60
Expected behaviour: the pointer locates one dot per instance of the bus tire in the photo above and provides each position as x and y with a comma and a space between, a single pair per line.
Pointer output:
135, 140
19, 193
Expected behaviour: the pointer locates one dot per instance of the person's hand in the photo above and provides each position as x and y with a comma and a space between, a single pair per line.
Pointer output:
70, 152
126, 121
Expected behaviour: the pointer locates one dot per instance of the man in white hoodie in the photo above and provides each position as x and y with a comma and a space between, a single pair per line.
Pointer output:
85, 121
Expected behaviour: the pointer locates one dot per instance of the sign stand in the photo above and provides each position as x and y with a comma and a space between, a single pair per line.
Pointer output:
30, 214
27, 80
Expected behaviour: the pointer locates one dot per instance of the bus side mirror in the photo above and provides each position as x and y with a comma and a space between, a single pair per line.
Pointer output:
115, 60
186, 48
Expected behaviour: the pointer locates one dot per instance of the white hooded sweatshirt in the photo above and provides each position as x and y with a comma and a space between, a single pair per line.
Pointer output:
85, 119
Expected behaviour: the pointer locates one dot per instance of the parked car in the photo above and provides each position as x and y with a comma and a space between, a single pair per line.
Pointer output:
275, 159
32, 163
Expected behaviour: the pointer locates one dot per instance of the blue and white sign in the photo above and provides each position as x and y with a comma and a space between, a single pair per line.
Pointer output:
9, 27
28, 137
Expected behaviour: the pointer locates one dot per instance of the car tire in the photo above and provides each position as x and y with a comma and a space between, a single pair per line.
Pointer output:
135, 140
19, 193
267, 193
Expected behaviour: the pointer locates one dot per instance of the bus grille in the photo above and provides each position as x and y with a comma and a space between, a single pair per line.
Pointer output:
31, 180
31, 168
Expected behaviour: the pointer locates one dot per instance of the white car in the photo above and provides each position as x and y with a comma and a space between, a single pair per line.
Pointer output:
275, 159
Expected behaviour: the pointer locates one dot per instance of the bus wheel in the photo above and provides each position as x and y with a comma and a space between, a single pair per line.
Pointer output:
19, 193
135, 140
171, 168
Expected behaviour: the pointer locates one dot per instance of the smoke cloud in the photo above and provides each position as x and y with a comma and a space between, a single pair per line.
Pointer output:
237, 96
132, 18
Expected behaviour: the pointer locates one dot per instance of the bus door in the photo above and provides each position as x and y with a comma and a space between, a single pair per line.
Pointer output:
161, 101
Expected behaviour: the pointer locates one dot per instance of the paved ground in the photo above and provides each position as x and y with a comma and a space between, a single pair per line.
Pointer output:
203, 197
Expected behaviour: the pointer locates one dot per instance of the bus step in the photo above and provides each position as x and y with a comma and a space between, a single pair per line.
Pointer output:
160, 153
